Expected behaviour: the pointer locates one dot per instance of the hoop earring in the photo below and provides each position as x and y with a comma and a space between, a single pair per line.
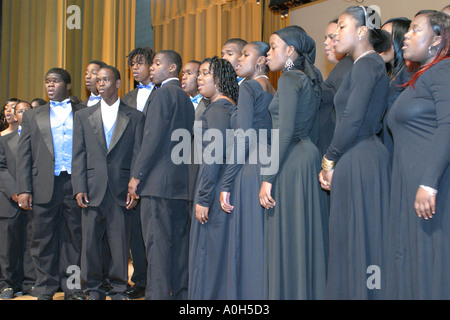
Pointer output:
289, 64
258, 68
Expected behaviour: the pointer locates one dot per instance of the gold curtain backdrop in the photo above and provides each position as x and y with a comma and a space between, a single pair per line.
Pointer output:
36, 37
198, 28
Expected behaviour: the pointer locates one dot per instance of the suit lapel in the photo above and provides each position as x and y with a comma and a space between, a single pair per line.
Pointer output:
13, 144
95, 119
43, 122
120, 126
133, 98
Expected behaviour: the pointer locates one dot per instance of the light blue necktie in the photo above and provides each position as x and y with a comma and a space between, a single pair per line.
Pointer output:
95, 98
149, 86
196, 99
54, 104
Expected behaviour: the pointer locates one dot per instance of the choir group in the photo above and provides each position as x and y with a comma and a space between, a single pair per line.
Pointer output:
357, 208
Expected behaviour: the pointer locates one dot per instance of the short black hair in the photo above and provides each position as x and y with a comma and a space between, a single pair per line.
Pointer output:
114, 70
241, 43
195, 61
22, 101
101, 64
40, 101
65, 75
173, 57
146, 52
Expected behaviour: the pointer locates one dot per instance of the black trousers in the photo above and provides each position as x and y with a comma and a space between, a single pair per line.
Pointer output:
56, 239
137, 250
165, 228
16, 266
113, 222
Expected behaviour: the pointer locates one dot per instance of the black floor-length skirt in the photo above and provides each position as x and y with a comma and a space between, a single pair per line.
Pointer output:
359, 209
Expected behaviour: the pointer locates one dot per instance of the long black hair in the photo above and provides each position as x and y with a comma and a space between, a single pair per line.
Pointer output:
225, 77
400, 27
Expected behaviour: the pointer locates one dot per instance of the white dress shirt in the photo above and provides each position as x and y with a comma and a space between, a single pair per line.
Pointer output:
109, 113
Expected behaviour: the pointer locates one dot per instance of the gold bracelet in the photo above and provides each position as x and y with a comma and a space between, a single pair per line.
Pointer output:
327, 165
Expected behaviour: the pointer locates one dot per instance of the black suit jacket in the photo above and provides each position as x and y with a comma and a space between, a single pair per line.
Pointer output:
93, 166
169, 108
8, 186
35, 154
130, 98
194, 167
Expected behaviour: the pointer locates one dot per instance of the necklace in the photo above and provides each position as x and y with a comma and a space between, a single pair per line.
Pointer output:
364, 54
262, 76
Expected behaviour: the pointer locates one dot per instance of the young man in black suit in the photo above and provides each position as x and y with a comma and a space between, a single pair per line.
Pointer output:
91, 82
43, 165
15, 224
140, 61
107, 137
163, 185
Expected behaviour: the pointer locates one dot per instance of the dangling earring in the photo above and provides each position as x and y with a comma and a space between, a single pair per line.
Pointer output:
289, 64
429, 51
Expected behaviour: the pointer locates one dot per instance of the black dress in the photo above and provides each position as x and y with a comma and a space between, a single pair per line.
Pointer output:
243, 180
395, 89
208, 244
296, 229
419, 264
327, 114
359, 199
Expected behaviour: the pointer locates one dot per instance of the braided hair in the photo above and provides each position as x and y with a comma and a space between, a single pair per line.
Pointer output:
225, 77
147, 53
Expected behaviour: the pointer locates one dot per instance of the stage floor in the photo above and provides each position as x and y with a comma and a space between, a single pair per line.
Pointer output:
60, 295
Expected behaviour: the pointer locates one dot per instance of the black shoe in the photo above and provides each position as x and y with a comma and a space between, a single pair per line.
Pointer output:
45, 297
119, 296
136, 292
75, 296
106, 287
7, 294
28, 292
93, 296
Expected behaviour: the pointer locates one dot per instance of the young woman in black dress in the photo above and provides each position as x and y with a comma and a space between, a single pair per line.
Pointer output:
242, 178
399, 70
356, 167
419, 120
209, 232
296, 221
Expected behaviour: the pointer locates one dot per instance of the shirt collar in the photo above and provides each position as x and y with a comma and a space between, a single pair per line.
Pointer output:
104, 105
167, 80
